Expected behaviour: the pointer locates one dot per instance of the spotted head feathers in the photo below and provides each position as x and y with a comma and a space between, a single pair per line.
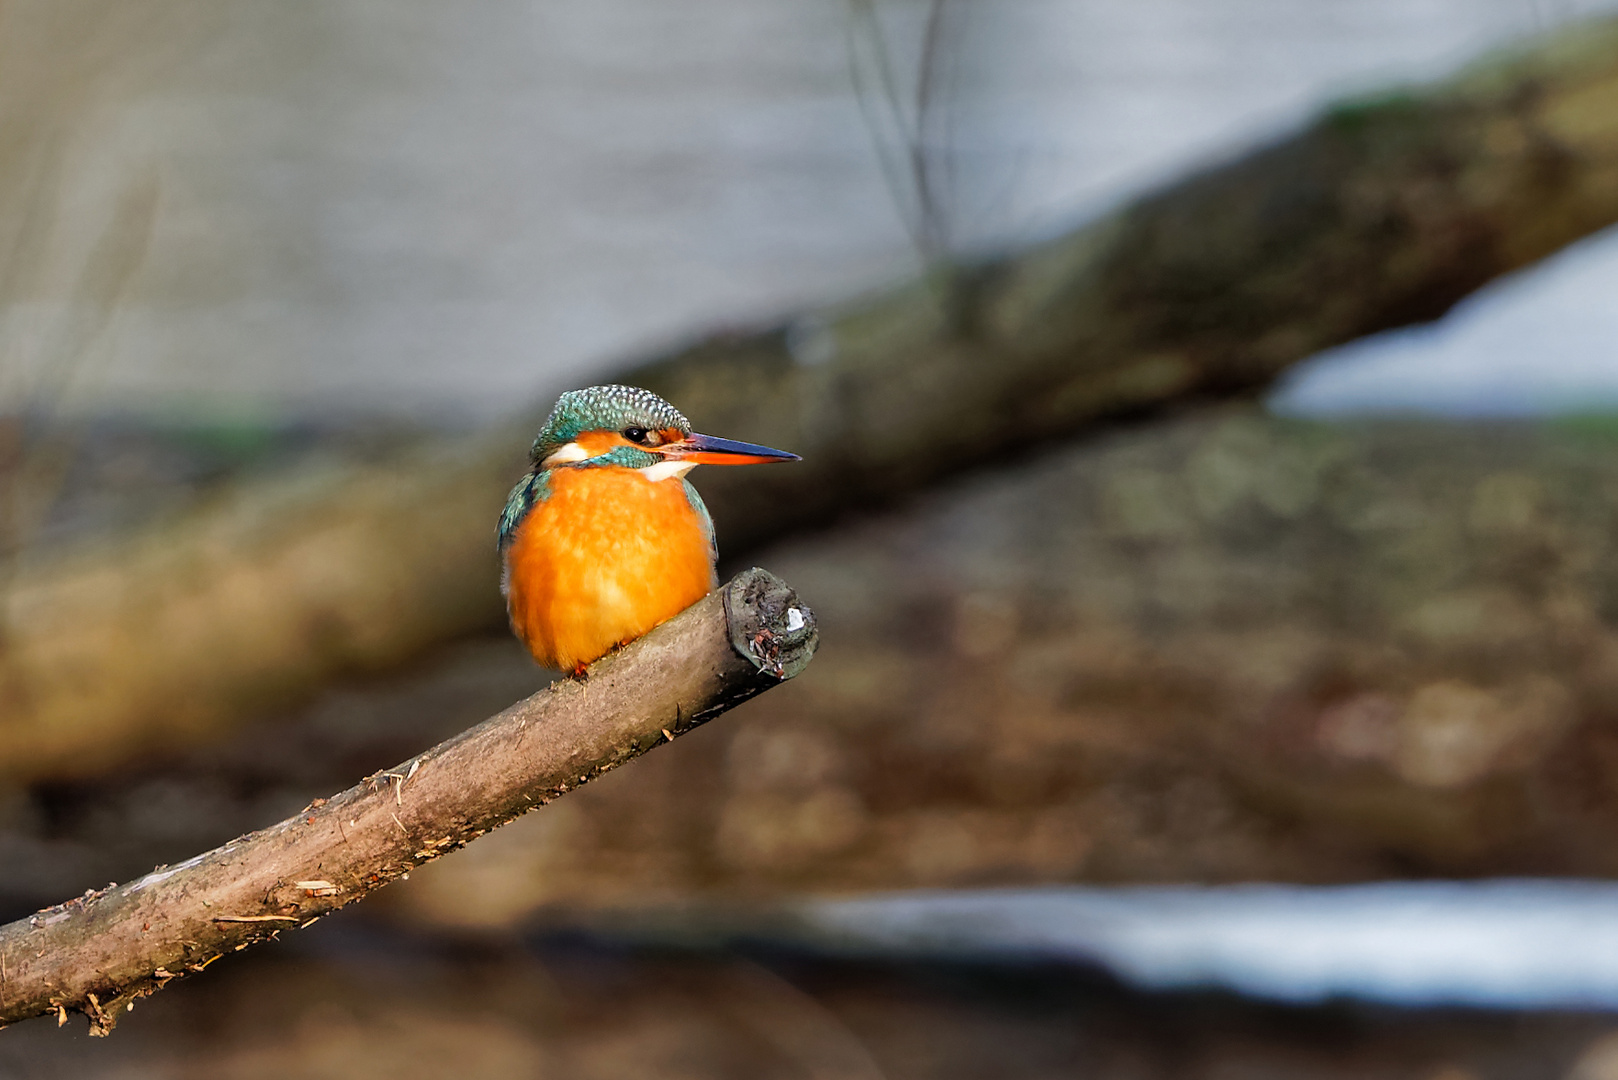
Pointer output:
604, 408
622, 428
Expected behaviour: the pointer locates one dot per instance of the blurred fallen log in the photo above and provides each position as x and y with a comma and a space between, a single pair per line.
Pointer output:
1383, 212
1219, 648
99, 953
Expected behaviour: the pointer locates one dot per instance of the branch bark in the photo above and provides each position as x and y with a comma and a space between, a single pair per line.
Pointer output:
1381, 213
100, 952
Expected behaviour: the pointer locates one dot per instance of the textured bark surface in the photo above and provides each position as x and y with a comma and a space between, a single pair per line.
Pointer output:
1382, 212
98, 953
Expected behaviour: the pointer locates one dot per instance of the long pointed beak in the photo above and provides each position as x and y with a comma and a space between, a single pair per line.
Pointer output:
710, 450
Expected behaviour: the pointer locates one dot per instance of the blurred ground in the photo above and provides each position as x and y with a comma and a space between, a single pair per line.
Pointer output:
357, 1005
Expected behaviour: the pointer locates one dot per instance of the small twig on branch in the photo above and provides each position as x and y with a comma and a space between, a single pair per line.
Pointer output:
98, 953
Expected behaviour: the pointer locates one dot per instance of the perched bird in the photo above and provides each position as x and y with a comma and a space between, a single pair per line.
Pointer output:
605, 538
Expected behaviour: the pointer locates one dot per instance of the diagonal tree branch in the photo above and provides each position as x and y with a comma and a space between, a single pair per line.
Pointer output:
98, 953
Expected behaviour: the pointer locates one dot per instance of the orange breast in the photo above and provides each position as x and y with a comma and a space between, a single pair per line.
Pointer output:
606, 557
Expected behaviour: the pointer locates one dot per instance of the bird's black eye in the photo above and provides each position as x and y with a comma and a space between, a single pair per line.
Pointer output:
635, 435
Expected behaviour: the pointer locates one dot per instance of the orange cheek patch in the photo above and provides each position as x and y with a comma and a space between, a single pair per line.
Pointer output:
599, 442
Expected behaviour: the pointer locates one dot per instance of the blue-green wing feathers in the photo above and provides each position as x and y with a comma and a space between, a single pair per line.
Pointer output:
531, 489
704, 517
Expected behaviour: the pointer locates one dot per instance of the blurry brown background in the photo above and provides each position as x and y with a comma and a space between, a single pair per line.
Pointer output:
254, 256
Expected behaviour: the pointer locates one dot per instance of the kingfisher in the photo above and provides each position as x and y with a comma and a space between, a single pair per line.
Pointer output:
605, 537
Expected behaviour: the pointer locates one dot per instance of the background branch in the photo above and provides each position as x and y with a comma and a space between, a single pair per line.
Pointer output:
98, 953
1382, 213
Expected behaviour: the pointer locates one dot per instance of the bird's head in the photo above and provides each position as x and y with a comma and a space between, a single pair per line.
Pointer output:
630, 428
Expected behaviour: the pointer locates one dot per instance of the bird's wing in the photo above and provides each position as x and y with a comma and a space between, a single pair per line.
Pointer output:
704, 517
533, 488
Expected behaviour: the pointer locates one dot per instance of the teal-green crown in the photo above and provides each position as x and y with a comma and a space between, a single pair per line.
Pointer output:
604, 408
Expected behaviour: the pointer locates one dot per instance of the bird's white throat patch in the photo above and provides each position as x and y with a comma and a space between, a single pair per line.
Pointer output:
665, 470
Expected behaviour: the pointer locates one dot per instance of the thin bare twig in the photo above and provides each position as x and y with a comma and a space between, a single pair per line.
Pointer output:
912, 171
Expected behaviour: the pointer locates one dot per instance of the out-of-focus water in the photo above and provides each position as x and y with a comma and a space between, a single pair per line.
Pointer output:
1501, 944
448, 208
1543, 341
